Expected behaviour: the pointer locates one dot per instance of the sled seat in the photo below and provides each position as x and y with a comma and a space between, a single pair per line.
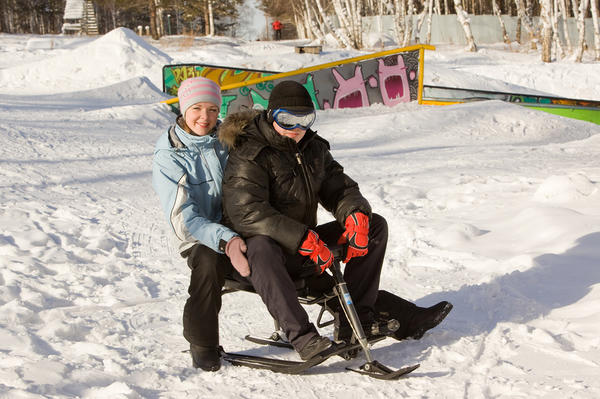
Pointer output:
311, 290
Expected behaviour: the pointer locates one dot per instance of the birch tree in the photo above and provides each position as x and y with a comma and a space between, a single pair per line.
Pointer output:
463, 19
340, 37
546, 18
408, 33
211, 18
596, 29
555, 36
498, 13
565, 14
349, 17
525, 20
583, 6
399, 20
429, 16
310, 21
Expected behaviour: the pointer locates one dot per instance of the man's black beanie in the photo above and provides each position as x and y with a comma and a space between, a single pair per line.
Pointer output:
289, 95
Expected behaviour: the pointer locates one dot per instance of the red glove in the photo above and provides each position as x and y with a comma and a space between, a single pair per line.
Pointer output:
356, 235
316, 250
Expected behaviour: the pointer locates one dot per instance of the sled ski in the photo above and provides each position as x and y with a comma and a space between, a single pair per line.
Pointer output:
377, 370
372, 369
281, 365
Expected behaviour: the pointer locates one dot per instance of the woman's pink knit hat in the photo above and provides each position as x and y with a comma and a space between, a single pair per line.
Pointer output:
198, 90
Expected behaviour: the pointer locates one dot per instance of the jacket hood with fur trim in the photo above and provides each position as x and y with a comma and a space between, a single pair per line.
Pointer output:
233, 127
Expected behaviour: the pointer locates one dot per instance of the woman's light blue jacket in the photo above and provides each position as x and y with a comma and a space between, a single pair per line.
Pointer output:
187, 173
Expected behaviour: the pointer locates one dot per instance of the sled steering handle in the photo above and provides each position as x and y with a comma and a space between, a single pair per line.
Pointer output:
339, 254
339, 251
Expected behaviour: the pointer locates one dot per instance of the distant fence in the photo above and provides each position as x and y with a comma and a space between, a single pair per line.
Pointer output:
445, 29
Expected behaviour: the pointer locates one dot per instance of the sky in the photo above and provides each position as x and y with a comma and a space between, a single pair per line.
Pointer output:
491, 206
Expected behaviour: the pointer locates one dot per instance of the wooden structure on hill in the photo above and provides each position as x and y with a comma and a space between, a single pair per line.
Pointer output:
80, 18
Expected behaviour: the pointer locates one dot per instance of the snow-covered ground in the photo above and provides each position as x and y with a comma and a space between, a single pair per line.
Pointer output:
491, 206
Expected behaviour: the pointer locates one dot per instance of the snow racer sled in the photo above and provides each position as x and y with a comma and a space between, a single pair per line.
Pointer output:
306, 295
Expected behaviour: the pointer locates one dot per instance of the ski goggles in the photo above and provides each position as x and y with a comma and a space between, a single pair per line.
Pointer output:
289, 120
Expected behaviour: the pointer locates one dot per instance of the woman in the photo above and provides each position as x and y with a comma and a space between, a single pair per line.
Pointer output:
187, 173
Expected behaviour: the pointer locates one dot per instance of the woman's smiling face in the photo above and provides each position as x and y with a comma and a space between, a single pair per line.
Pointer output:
201, 118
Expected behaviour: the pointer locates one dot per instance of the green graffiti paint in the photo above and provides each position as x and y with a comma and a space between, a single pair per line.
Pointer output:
225, 105
258, 101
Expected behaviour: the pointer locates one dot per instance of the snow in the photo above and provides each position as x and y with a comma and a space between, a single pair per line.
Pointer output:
492, 206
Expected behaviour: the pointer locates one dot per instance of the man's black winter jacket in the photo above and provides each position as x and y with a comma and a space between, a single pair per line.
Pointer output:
272, 185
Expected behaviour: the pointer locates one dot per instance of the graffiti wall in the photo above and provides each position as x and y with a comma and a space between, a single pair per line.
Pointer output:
450, 94
173, 75
585, 110
387, 80
390, 77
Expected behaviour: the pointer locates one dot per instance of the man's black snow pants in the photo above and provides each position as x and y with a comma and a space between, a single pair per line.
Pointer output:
273, 271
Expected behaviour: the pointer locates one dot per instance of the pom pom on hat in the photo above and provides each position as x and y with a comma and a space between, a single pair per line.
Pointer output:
198, 90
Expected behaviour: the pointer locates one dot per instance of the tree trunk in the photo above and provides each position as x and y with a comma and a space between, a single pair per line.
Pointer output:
399, 21
498, 12
311, 22
113, 14
160, 25
429, 16
299, 27
346, 21
152, 9
408, 33
463, 19
555, 36
596, 29
340, 38
581, 28
211, 19
420, 23
355, 22
545, 16
565, 14
525, 21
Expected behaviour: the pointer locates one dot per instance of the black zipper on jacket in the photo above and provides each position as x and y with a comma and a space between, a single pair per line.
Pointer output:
308, 186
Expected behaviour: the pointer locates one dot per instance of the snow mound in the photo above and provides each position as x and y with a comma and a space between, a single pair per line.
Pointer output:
458, 233
435, 75
537, 229
37, 43
135, 91
497, 124
117, 56
560, 189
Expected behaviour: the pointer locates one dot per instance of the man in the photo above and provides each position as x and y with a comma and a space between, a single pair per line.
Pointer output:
279, 171
277, 26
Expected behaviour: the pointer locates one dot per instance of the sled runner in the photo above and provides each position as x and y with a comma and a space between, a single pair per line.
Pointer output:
306, 295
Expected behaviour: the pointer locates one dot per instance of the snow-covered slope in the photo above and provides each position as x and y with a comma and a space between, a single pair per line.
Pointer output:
491, 206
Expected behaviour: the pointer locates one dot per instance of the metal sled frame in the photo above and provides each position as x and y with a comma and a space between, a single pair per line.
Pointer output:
305, 297
372, 367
